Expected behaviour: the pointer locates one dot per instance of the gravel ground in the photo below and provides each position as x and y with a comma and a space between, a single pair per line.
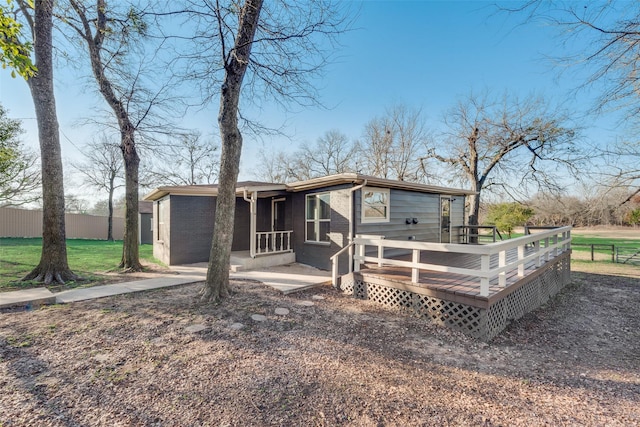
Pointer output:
162, 359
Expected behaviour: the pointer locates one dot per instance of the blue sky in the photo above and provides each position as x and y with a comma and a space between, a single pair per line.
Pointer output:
425, 54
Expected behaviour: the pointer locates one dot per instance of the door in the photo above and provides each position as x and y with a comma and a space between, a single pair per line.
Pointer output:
445, 219
277, 215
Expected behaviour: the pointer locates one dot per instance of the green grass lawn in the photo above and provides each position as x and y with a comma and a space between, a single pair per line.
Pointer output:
87, 258
578, 240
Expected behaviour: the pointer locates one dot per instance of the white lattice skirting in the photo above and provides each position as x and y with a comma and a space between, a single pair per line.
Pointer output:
480, 323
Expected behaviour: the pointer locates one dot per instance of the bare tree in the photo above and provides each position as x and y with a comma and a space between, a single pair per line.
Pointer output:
53, 266
610, 31
102, 169
333, 153
187, 161
392, 144
262, 52
509, 143
274, 166
19, 173
109, 36
608, 37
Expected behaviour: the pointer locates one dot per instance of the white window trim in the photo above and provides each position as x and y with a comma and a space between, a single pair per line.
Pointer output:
365, 220
316, 221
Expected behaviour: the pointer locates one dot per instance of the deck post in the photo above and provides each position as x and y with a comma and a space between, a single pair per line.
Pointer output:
536, 248
547, 253
520, 263
380, 254
502, 276
334, 273
359, 253
485, 264
415, 271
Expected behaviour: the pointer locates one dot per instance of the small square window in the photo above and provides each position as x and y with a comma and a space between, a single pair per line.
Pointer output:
375, 204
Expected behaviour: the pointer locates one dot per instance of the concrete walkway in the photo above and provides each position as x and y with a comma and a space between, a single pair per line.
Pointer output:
286, 278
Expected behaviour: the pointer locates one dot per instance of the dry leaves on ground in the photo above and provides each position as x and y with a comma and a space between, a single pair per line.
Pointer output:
138, 360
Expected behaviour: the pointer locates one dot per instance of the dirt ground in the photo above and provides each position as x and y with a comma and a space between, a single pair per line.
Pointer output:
161, 359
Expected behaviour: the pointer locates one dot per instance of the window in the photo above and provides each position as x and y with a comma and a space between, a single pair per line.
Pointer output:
375, 204
318, 219
160, 220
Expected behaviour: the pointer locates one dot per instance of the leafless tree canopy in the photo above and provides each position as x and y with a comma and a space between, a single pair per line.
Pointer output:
332, 153
294, 42
391, 145
186, 159
103, 169
611, 32
510, 143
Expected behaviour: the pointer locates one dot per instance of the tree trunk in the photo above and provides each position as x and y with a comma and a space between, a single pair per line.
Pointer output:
130, 247
130, 251
110, 219
53, 266
474, 211
217, 284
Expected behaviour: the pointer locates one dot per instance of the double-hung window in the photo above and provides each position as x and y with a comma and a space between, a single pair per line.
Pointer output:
318, 218
375, 205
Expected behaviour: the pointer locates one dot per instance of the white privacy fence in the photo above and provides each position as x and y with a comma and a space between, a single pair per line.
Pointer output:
512, 255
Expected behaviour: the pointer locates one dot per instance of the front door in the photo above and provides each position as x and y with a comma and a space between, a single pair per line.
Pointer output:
277, 214
445, 219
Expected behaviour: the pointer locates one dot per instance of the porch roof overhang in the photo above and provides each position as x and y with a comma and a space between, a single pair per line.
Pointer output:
358, 179
263, 189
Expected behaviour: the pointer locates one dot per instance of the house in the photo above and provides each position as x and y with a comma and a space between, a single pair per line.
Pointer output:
397, 243
305, 221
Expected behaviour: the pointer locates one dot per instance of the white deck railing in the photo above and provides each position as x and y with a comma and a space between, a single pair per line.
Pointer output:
539, 248
272, 242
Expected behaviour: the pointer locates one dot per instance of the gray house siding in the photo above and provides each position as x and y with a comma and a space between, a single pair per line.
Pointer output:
425, 208
191, 228
188, 226
318, 254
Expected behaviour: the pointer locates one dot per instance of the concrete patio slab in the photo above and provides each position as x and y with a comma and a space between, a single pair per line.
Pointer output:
75, 295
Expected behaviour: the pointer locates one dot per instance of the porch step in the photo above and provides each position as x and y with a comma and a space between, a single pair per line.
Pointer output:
242, 261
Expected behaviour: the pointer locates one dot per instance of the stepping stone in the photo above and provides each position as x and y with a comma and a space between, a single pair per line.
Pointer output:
237, 326
317, 297
195, 328
282, 311
258, 317
306, 303
102, 357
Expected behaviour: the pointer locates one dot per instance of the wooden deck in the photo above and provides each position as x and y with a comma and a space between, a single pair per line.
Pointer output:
450, 286
477, 289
